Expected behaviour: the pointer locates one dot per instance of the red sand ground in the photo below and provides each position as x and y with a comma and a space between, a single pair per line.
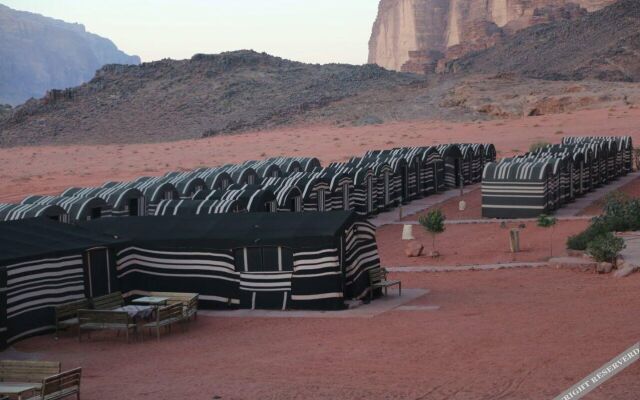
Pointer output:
510, 334
51, 169
477, 244
516, 334
451, 209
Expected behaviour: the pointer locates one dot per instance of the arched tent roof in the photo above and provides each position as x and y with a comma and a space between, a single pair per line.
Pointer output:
155, 189
216, 178
309, 164
198, 207
187, 183
288, 165
242, 174
523, 171
425, 153
490, 153
116, 196
473, 150
449, 151
254, 197
265, 168
336, 178
78, 208
308, 183
12, 212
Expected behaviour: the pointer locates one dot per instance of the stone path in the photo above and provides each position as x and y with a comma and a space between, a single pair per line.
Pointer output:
376, 307
416, 206
458, 268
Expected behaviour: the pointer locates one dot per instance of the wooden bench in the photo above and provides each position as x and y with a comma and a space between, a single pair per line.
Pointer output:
165, 317
378, 279
108, 302
92, 320
188, 300
32, 372
67, 314
61, 385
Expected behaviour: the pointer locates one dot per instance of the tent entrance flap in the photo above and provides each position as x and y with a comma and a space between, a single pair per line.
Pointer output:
98, 274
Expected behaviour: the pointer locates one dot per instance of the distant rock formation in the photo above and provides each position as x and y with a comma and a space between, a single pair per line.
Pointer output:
603, 45
422, 35
39, 53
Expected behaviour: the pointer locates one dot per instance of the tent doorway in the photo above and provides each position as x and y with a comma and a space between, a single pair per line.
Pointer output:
97, 272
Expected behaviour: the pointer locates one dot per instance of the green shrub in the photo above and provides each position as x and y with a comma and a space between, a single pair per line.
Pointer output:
580, 241
606, 248
433, 222
535, 146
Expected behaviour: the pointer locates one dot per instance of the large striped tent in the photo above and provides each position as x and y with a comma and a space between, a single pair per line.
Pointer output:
490, 153
363, 199
340, 188
518, 189
44, 263
122, 199
452, 157
265, 168
259, 260
242, 174
12, 212
187, 183
77, 208
215, 178
473, 159
384, 181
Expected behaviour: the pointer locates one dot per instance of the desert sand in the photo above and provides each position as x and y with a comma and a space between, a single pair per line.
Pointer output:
504, 334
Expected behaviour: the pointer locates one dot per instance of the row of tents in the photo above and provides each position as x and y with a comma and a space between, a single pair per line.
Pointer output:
377, 181
542, 181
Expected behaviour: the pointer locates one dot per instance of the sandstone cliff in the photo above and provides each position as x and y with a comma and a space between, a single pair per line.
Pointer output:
416, 35
39, 53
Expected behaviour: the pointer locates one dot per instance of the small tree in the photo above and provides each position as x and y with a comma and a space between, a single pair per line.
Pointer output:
606, 248
433, 222
546, 221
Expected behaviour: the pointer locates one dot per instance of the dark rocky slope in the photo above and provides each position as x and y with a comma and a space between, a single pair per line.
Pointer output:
603, 45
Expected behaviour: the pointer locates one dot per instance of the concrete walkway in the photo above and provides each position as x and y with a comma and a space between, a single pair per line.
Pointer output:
416, 206
479, 267
376, 307
582, 203
494, 221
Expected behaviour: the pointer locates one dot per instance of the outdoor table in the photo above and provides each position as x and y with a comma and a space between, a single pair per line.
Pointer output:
137, 313
16, 389
152, 301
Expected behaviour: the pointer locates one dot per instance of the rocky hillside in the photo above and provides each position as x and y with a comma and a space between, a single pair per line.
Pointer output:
604, 45
422, 35
39, 53
206, 95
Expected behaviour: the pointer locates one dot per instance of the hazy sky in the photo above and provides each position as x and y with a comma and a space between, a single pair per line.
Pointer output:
318, 31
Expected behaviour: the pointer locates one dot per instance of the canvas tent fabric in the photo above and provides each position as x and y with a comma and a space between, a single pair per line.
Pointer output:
12, 212
253, 260
44, 263
122, 199
198, 207
77, 208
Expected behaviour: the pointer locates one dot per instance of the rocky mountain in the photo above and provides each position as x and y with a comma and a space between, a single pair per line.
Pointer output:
422, 35
206, 95
603, 45
39, 53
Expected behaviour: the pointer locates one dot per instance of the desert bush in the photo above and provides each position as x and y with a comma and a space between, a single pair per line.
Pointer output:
582, 239
606, 248
433, 223
535, 146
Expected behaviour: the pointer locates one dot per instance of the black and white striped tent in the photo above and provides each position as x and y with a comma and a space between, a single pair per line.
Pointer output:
385, 183
315, 190
452, 157
265, 168
519, 188
253, 198
340, 188
490, 153
122, 199
13, 212
473, 159
287, 165
259, 260
154, 189
242, 174
363, 196
45, 263
215, 178
187, 183
288, 196
77, 208
199, 207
